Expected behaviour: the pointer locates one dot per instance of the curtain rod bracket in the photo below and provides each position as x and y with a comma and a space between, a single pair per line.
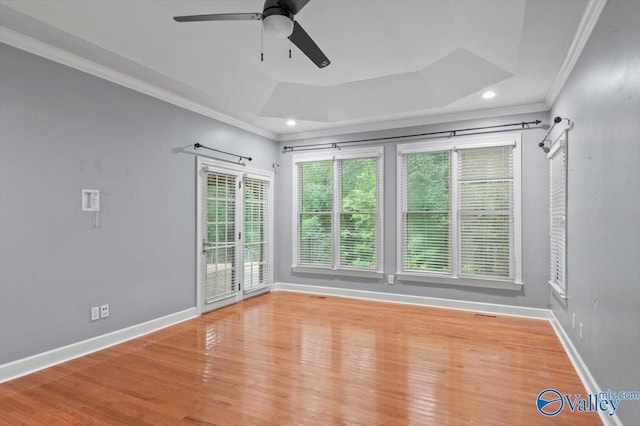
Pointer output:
556, 120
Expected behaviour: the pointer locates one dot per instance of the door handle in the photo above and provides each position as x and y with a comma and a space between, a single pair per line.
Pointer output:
206, 245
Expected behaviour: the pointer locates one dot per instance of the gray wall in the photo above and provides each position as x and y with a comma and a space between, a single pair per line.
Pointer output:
602, 97
535, 292
62, 130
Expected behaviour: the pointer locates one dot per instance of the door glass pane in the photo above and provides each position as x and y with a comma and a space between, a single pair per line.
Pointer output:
256, 262
220, 247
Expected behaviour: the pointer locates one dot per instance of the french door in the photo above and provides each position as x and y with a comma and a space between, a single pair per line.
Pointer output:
235, 234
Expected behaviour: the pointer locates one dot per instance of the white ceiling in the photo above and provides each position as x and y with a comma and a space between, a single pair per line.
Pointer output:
393, 63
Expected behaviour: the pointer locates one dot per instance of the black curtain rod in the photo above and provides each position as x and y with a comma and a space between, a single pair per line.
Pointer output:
240, 157
452, 133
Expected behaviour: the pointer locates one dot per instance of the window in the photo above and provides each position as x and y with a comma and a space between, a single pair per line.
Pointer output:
459, 211
338, 212
558, 211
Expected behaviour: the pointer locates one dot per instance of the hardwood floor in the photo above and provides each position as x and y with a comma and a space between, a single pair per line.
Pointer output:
286, 358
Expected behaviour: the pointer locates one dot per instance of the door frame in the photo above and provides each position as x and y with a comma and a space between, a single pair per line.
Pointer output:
232, 168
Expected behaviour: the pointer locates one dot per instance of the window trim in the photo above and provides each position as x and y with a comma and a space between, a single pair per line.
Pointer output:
453, 145
343, 154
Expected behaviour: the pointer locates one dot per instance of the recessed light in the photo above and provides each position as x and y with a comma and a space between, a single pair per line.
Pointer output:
489, 95
291, 123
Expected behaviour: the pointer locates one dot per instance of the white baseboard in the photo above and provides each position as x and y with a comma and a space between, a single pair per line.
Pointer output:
22, 367
462, 305
581, 368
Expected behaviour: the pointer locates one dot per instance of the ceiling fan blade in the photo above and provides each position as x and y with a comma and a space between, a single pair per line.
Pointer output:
301, 39
293, 5
220, 17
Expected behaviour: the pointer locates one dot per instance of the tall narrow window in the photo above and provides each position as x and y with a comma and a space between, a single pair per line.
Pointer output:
558, 213
339, 204
459, 211
315, 196
426, 221
359, 212
485, 206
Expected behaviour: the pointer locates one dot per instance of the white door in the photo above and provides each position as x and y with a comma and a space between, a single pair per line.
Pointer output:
222, 238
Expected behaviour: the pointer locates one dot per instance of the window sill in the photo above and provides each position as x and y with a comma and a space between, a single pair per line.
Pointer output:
465, 282
559, 291
343, 272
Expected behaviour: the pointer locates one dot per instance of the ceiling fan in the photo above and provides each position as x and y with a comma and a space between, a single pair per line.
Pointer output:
277, 20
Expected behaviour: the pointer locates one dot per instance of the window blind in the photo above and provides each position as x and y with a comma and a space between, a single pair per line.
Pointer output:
257, 262
485, 209
558, 212
426, 224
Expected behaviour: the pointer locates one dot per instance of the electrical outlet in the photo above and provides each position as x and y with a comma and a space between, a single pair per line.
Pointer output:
104, 311
580, 331
573, 321
95, 313
390, 279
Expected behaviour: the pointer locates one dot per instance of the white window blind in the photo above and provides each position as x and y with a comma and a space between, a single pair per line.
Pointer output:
426, 218
459, 211
485, 208
257, 262
558, 212
339, 220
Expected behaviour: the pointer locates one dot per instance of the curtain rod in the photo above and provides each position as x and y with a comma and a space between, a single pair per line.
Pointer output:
451, 133
240, 157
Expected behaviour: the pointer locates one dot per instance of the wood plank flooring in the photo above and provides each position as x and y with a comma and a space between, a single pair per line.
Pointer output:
286, 358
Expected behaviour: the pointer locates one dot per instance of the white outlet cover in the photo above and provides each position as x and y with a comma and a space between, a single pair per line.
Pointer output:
104, 311
95, 313
580, 330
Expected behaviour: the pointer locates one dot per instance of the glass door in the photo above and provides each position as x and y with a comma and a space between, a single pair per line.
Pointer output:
257, 270
222, 239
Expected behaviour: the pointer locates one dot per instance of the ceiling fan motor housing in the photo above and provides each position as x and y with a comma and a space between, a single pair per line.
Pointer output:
277, 20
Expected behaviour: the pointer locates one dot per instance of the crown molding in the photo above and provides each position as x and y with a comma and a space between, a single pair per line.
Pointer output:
589, 19
37, 47
417, 121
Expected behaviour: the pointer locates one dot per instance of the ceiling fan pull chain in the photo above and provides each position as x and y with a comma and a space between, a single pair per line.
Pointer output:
261, 43
289, 48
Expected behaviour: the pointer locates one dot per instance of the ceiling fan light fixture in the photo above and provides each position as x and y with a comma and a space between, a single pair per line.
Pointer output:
489, 94
291, 122
277, 26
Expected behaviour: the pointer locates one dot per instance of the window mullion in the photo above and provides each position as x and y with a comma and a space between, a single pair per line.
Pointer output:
454, 237
337, 207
